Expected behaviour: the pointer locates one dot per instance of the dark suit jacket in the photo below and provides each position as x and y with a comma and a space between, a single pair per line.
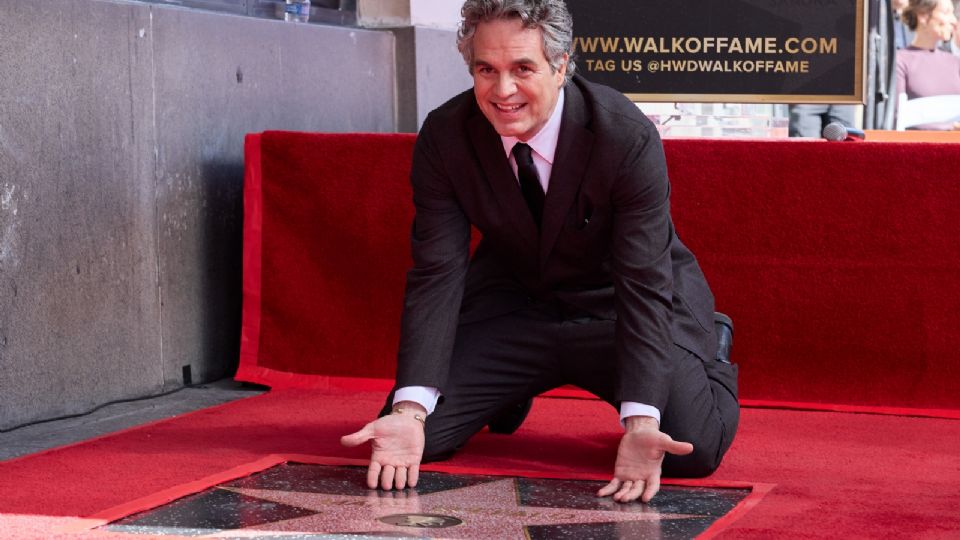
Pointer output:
607, 246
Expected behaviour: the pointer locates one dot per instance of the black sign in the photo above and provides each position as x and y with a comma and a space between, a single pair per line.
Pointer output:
747, 51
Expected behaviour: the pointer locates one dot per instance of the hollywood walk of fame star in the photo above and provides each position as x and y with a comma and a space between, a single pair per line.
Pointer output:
326, 502
490, 510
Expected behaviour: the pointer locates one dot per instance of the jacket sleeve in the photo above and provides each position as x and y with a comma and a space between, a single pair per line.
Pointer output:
440, 244
642, 272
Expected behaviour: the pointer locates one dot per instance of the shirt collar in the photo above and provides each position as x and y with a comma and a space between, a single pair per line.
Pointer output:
544, 142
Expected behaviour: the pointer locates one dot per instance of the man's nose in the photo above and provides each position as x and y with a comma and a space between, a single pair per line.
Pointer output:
506, 86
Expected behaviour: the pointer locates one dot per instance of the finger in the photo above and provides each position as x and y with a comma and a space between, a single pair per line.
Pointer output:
386, 477
373, 475
678, 448
401, 478
634, 492
358, 438
610, 488
413, 475
653, 486
624, 489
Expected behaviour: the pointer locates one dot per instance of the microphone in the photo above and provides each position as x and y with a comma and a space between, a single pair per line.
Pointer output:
835, 131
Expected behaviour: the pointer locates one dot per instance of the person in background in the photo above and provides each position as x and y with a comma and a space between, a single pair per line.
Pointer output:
952, 46
808, 120
902, 35
923, 68
955, 42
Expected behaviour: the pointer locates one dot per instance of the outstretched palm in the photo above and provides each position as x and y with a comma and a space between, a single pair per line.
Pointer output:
397, 442
639, 461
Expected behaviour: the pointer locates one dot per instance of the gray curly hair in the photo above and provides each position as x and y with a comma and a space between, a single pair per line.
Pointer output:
550, 16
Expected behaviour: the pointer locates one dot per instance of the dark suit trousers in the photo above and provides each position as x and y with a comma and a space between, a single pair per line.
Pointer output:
508, 359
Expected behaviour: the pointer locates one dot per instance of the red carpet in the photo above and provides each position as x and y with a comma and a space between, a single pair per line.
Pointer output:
837, 475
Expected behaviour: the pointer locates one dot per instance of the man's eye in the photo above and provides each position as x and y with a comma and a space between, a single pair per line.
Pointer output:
485, 70
525, 69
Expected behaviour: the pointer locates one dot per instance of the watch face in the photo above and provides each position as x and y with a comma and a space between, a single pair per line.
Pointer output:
427, 521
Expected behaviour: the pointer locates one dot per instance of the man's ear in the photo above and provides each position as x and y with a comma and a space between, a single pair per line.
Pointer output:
562, 72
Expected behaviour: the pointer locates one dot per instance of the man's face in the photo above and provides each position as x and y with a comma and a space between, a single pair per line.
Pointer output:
512, 80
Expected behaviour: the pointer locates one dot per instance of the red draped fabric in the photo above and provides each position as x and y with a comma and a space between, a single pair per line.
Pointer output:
837, 261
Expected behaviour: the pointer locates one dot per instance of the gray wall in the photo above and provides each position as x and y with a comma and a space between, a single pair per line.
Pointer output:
430, 71
121, 166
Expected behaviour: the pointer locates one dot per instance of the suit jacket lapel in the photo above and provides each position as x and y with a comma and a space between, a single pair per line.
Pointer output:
569, 165
500, 175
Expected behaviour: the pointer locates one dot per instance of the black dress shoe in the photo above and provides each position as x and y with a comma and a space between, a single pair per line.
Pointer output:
724, 327
510, 420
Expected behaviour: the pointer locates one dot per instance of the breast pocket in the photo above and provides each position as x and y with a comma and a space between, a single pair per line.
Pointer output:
587, 232
588, 215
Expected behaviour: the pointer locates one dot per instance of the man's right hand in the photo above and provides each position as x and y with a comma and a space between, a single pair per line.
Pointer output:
397, 447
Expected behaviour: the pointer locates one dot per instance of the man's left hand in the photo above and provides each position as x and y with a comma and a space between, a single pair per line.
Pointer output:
639, 460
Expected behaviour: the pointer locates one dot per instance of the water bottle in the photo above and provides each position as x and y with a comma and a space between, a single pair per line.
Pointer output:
296, 10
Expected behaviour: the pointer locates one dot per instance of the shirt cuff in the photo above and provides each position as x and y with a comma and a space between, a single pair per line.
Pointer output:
632, 408
424, 395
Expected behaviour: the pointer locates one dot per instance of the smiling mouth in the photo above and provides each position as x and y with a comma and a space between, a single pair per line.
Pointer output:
509, 108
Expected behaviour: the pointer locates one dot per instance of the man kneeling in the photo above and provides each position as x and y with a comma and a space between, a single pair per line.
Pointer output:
580, 277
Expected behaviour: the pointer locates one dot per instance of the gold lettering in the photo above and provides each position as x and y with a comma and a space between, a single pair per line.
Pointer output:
610, 45
633, 44
828, 46
601, 65
722, 43
586, 45
676, 45
790, 45
702, 45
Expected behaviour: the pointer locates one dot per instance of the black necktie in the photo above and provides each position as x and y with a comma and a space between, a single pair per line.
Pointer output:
529, 181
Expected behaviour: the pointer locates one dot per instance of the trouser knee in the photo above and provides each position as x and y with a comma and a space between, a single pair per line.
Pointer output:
708, 451
438, 449
703, 461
